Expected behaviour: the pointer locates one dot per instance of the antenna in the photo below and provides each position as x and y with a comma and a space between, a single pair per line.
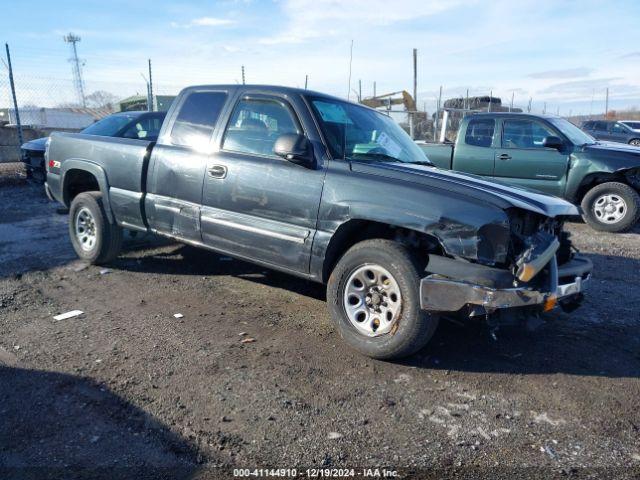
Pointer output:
76, 67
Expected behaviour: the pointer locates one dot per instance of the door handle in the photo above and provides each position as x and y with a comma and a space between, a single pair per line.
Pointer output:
504, 156
217, 171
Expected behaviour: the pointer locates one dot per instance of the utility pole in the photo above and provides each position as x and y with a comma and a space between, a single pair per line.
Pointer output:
359, 90
415, 75
350, 62
77, 67
374, 89
415, 94
529, 105
511, 105
490, 99
466, 101
606, 103
13, 94
306, 81
243, 74
149, 100
150, 107
544, 108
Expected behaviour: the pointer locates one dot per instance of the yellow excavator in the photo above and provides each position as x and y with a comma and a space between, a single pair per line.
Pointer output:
388, 101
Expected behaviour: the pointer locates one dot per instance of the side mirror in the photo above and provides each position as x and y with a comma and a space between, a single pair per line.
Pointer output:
294, 148
552, 142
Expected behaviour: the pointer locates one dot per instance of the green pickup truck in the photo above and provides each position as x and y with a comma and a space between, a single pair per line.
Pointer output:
552, 155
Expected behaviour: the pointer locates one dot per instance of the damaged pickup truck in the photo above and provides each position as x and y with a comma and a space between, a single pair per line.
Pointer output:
330, 191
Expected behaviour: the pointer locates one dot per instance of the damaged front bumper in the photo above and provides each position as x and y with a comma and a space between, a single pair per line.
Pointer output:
441, 293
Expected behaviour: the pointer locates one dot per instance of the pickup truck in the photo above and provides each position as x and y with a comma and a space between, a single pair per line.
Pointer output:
332, 192
551, 155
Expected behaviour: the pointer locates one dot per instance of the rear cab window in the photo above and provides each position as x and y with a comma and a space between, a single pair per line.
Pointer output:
480, 132
197, 119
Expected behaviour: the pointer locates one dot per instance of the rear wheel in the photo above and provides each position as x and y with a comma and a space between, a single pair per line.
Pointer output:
611, 207
374, 299
93, 237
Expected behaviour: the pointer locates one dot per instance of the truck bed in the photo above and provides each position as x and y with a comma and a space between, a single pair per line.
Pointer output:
119, 164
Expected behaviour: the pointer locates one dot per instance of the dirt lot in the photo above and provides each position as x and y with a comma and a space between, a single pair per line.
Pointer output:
127, 390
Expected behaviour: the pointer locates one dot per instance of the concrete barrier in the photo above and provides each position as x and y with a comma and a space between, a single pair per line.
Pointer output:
10, 143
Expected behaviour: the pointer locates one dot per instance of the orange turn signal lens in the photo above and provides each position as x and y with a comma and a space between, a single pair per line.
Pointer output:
549, 303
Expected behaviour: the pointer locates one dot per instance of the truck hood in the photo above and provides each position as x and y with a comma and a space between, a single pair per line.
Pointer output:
618, 156
497, 194
37, 145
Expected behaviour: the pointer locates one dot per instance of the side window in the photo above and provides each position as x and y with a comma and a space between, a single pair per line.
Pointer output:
602, 126
256, 124
480, 132
588, 126
617, 128
524, 134
146, 129
197, 118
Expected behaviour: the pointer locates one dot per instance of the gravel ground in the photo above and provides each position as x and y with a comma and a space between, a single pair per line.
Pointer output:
127, 390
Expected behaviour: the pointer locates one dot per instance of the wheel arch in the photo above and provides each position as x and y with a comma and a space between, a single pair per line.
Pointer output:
595, 179
357, 230
80, 176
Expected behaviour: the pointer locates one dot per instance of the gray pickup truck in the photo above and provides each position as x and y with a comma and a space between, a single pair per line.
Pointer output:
330, 191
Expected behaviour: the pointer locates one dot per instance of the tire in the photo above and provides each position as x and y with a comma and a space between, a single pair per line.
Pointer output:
105, 243
410, 329
635, 142
623, 206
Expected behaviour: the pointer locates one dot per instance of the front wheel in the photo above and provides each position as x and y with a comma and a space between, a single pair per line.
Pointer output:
635, 142
93, 237
374, 299
611, 207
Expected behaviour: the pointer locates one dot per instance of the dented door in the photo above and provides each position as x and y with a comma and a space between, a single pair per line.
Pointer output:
255, 204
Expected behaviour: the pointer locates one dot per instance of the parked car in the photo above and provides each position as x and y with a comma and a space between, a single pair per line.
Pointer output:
612, 131
551, 155
329, 191
141, 125
632, 124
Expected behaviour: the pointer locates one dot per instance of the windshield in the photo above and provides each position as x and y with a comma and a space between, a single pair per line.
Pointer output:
573, 133
358, 132
634, 125
108, 126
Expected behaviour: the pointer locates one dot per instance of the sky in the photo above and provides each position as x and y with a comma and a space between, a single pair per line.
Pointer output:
562, 53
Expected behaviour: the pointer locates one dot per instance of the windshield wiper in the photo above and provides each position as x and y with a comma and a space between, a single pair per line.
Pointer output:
389, 158
381, 156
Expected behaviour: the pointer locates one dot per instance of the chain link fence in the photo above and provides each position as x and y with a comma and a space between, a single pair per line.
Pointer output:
48, 103
51, 100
